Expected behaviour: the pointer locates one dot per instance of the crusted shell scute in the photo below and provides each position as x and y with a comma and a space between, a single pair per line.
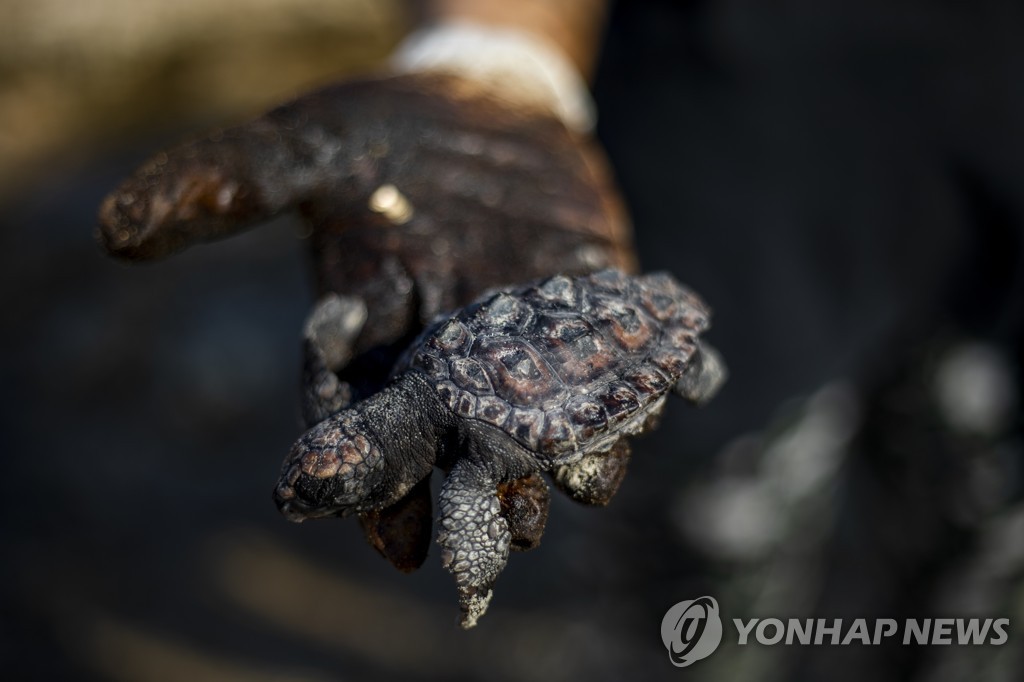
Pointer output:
450, 337
565, 365
558, 292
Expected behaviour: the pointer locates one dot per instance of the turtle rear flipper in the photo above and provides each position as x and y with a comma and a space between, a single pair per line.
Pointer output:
703, 378
596, 477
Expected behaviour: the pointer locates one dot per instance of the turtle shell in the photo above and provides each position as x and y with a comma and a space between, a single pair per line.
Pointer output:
567, 365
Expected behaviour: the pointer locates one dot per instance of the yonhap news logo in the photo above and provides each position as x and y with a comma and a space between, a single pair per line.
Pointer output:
692, 630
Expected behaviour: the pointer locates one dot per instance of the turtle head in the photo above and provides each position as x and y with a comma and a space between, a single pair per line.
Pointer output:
331, 470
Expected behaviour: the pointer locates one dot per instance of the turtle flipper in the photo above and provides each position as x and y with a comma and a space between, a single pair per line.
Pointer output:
331, 330
524, 505
401, 532
474, 537
596, 477
703, 378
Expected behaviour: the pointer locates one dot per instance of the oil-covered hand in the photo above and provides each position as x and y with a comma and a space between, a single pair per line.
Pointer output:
421, 190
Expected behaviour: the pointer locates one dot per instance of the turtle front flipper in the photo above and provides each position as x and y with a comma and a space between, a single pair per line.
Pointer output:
703, 377
401, 532
474, 537
596, 477
330, 334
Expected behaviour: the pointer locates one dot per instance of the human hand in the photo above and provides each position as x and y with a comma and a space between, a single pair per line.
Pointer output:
422, 190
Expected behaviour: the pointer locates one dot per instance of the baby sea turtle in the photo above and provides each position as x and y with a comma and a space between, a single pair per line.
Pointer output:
550, 377
419, 193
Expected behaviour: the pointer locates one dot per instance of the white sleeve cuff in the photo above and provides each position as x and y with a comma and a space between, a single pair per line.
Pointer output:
515, 64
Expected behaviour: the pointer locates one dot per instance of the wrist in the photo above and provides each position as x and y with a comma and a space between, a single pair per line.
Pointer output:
514, 64
573, 25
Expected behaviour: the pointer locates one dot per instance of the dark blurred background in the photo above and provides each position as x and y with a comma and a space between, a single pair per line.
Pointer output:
843, 181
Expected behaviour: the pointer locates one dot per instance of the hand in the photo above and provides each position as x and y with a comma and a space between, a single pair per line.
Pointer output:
421, 190
420, 193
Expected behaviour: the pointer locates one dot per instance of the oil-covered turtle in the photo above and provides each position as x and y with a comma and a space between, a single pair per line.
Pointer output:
550, 377
420, 192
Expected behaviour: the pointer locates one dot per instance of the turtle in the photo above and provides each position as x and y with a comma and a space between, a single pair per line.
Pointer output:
550, 377
418, 193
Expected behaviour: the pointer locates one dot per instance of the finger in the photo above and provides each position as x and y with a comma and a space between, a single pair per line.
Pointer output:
207, 189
